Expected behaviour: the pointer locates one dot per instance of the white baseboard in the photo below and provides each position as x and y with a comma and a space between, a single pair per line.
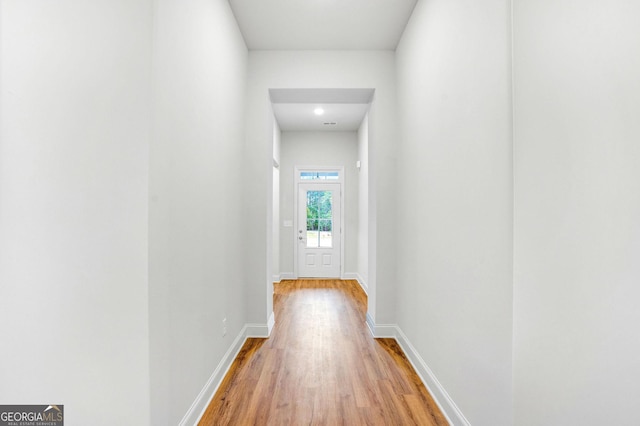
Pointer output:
287, 276
385, 331
270, 323
381, 330
363, 283
371, 325
257, 330
442, 398
201, 403
276, 278
447, 405
356, 276
449, 409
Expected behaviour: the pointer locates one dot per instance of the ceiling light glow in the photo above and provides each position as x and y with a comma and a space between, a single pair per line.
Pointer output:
318, 111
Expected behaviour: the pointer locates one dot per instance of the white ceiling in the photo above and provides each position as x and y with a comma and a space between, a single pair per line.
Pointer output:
329, 96
338, 117
326, 25
344, 109
322, 24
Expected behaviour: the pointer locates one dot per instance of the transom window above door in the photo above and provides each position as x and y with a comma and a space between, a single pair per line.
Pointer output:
332, 175
318, 174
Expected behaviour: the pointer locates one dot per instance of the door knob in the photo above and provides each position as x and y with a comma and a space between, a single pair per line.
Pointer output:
300, 238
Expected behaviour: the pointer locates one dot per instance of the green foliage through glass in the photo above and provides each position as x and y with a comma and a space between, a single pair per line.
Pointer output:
319, 218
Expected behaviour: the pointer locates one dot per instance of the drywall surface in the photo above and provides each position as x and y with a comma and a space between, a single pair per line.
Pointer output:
362, 268
277, 141
275, 254
577, 210
455, 201
197, 248
320, 69
319, 149
74, 140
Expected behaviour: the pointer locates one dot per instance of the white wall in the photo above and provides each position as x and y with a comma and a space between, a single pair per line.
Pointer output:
455, 200
276, 225
320, 149
74, 140
196, 229
277, 136
320, 69
577, 210
362, 268
277, 140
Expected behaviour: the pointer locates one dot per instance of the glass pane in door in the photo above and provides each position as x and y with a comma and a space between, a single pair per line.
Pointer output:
319, 219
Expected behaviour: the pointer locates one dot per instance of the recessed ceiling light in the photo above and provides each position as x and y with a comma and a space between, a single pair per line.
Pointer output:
318, 111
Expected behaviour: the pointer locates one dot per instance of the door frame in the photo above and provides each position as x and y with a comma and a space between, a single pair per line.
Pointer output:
296, 206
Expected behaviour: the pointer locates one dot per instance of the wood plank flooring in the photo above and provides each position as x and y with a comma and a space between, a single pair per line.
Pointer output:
321, 367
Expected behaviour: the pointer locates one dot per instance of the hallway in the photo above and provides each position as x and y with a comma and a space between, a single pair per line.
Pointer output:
493, 220
321, 366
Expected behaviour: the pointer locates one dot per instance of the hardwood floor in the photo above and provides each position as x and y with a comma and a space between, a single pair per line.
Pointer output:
321, 367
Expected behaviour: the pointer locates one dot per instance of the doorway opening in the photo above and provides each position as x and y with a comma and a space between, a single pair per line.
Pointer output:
319, 246
329, 129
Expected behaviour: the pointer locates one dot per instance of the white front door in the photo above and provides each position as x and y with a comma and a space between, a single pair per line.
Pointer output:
319, 230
